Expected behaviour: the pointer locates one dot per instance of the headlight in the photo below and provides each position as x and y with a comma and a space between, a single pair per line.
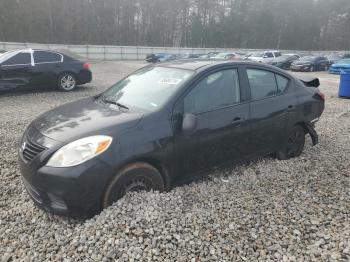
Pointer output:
80, 151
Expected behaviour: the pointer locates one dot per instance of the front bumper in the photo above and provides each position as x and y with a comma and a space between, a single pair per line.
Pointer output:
74, 191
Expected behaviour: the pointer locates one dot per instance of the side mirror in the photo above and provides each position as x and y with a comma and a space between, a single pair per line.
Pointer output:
189, 124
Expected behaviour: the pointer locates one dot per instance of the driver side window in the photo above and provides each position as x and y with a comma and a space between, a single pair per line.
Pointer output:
218, 90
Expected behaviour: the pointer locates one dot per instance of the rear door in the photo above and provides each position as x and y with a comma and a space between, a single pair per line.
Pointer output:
17, 69
47, 66
272, 106
218, 101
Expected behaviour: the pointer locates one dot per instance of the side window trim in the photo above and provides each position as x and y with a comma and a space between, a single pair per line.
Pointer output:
206, 74
48, 62
265, 69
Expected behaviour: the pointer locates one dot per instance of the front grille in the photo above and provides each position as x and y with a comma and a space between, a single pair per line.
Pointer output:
30, 150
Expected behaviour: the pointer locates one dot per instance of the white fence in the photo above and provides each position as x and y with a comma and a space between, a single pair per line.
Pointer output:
126, 52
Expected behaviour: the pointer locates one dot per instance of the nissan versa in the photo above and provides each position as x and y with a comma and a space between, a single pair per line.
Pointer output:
161, 126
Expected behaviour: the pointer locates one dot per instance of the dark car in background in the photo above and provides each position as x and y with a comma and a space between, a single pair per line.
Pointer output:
340, 66
310, 64
284, 61
162, 126
189, 56
160, 57
42, 68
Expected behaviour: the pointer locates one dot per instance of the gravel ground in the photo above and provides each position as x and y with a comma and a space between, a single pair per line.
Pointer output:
266, 210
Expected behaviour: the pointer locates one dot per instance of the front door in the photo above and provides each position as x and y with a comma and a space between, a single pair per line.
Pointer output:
17, 69
222, 130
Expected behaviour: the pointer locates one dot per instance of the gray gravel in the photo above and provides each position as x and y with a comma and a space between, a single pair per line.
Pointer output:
266, 210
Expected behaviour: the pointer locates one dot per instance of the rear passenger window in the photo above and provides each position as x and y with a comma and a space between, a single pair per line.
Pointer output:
262, 83
46, 57
282, 83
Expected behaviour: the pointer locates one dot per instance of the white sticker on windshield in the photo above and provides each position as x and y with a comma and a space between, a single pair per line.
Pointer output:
169, 81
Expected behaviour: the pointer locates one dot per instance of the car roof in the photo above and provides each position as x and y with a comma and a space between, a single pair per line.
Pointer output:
201, 64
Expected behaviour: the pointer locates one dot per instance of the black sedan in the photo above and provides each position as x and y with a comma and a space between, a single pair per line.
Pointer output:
42, 68
161, 126
311, 64
284, 61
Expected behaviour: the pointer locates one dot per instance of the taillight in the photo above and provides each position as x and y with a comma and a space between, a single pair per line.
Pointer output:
86, 66
322, 95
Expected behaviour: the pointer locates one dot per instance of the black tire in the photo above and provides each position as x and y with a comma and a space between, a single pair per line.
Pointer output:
134, 177
294, 145
67, 82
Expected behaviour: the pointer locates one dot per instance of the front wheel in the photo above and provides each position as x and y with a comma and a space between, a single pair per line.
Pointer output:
135, 177
67, 82
294, 145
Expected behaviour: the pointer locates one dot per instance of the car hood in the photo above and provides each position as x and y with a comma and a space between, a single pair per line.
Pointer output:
341, 65
84, 118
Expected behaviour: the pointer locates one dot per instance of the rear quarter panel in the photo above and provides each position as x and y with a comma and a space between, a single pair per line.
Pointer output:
310, 105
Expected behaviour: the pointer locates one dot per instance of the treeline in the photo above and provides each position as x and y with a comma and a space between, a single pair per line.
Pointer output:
280, 24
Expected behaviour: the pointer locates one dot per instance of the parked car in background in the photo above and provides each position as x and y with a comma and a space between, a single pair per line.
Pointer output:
340, 66
162, 126
333, 58
189, 56
160, 57
284, 61
42, 68
227, 56
209, 55
311, 64
263, 57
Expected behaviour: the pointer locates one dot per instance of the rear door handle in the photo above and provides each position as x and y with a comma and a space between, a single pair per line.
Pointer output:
237, 121
290, 109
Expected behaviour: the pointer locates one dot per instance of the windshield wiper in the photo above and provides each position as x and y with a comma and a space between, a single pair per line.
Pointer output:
113, 102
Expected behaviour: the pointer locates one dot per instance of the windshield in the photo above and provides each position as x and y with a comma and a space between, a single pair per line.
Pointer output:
148, 88
307, 58
5, 56
344, 61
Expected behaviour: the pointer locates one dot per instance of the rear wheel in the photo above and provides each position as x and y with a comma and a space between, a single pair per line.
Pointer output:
294, 145
67, 82
133, 178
